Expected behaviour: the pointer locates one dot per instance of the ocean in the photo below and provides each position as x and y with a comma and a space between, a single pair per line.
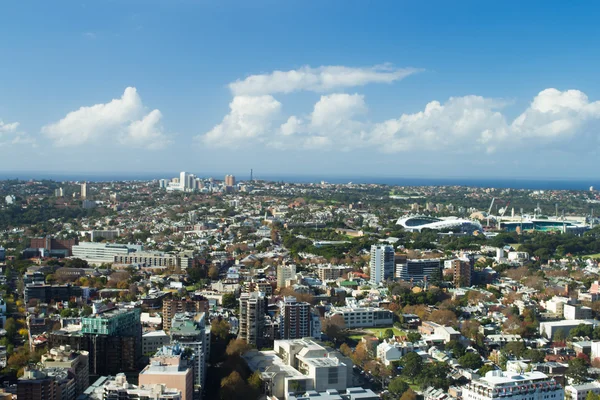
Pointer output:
512, 183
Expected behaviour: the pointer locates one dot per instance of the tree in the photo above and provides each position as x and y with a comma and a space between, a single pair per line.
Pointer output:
485, 369
559, 336
360, 354
346, 350
213, 272
577, 370
413, 336
536, 356
255, 383
219, 328
516, 348
237, 347
11, 328
409, 395
334, 327
229, 300
398, 386
233, 387
444, 317
470, 360
389, 333
457, 349
412, 365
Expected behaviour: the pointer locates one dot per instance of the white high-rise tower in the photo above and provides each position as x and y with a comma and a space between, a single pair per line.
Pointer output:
382, 263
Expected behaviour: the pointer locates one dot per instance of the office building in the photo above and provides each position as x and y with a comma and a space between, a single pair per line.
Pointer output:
162, 183
381, 264
59, 192
572, 312
190, 330
285, 273
422, 270
171, 307
50, 244
76, 363
104, 234
294, 318
36, 385
302, 365
48, 293
172, 367
84, 190
148, 259
363, 317
462, 273
512, 386
252, 318
229, 180
154, 340
118, 388
98, 253
549, 329
332, 272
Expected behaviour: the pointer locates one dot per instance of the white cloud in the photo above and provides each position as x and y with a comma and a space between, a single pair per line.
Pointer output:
336, 109
460, 123
292, 126
8, 128
249, 118
146, 133
11, 135
124, 118
554, 114
321, 79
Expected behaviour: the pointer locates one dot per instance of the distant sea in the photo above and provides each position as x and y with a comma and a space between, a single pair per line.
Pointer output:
530, 183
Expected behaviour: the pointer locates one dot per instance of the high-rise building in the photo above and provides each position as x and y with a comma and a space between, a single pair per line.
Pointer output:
84, 190
171, 307
294, 318
462, 272
229, 180
382, 263
190, 330
285, 273
163, 183
35, 385
75, 362
252, 318
183, 180
59, 192
173, 367
419, 270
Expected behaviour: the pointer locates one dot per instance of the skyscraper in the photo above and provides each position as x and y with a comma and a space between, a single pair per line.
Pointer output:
285, 273
382, 263
84, 192
252, 318
229, 180
295, 318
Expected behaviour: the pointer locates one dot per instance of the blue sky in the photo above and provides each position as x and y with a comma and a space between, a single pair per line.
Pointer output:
394, 88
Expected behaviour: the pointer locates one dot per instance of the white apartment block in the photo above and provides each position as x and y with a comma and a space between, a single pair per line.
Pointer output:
512, 386
98, 253
302, 365
573, 312
363, 317
580, 392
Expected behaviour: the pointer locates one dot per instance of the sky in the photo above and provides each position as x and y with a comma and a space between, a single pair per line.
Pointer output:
306, 88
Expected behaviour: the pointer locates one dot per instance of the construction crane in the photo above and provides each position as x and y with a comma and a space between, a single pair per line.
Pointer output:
503, 210
490, 211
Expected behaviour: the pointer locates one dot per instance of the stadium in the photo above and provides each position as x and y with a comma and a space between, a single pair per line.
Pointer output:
416, 223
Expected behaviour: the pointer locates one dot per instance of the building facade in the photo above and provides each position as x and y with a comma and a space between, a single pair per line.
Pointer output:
512, 386
252, 318
294, 318
381, 264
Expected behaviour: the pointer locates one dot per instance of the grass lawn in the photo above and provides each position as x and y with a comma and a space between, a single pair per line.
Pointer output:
377, 332
597, 255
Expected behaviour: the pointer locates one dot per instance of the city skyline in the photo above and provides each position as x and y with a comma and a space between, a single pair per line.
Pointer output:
386, 89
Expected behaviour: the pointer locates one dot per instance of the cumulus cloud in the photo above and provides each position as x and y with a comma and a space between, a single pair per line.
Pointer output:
554, 114
147, 132
321, 79
249, 118
11, 135
337, 108
124, 118
470, 121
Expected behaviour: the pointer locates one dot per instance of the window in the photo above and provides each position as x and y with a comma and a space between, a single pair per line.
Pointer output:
333, 375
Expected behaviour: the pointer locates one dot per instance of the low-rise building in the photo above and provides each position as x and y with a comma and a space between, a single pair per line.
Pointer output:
513, 386
363, 317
